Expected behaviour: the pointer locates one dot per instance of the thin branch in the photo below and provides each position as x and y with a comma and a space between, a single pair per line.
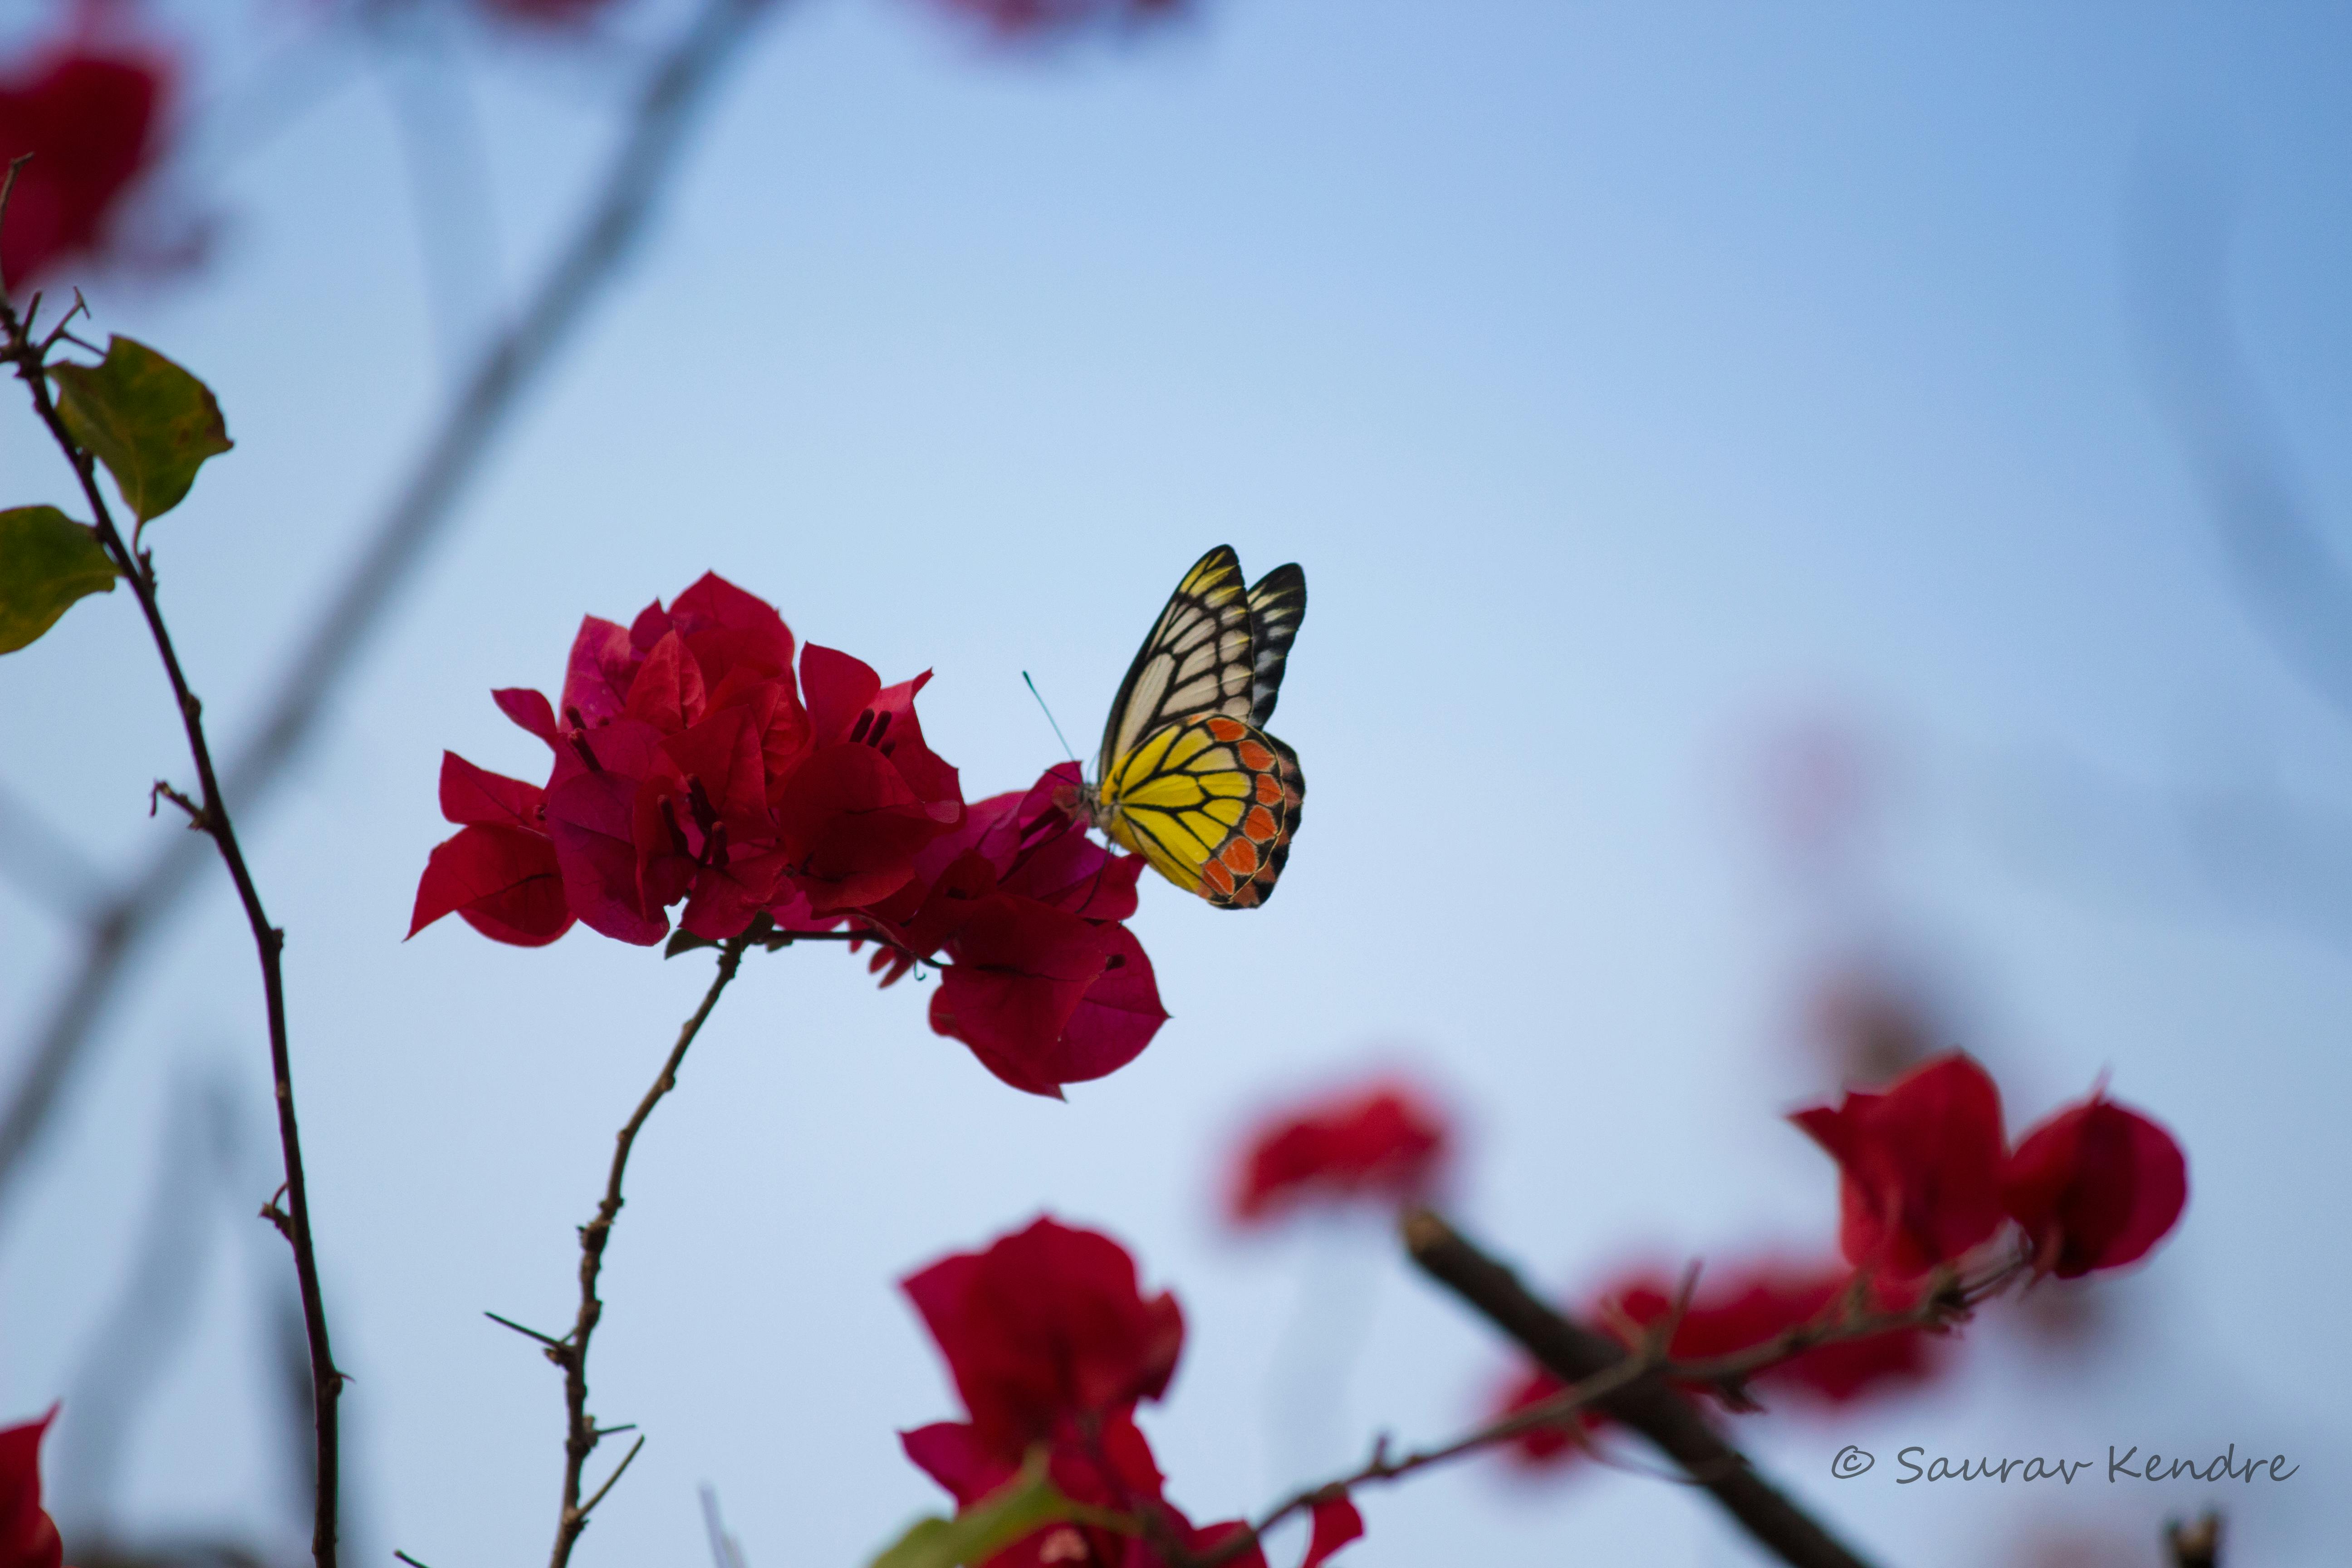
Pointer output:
212, 818
571, 1353
509, 367
589, 1506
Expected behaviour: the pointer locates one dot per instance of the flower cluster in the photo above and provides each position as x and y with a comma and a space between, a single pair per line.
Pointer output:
1733, 1311
1385, 1142
1927, 1176
691, 767
1052, 1343
90, 117
28, 1537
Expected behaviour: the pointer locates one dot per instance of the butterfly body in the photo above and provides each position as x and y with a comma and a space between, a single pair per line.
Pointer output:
1187, 776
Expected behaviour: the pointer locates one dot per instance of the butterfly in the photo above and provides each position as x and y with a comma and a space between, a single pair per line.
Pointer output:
1187, 776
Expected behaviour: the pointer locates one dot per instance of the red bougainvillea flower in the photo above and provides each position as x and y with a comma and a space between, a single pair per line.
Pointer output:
1920, 1164
1050, 1340
1385, 1142
692, 766
1046, 983
2094, 1186
498, 873
1047, 1326
90, 115
28, 1537
687, 767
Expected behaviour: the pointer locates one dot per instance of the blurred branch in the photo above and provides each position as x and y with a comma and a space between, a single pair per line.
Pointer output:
120, 922
726, 1552
133, 1344
448, 173
39, 857
2297, 589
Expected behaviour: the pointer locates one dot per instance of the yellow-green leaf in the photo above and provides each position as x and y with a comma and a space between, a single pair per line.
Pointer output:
47, 562
149, 421
1021, 1506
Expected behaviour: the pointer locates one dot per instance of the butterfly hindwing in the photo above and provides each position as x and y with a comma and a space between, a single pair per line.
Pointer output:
1211, 803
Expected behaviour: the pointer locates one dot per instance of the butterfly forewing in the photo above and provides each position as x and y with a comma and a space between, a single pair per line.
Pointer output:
1277, 603
1196, 660
1211, 804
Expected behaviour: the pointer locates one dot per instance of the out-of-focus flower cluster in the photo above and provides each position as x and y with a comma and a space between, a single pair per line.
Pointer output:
691, 767
1384, 1142
1927, 1176
1927, 1180
1052, 1343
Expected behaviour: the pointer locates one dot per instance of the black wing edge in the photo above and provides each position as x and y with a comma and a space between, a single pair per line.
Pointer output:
1277, 603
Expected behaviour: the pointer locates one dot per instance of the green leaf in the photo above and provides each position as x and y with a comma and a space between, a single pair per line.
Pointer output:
150, 422
47, 562
1026, 1503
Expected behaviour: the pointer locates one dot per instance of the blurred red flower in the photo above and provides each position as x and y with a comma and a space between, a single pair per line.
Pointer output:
1051, 1340
2094, 1186
1920, 1165
546, 12
90, 115
28, 1537
1385, 1142
1024, 20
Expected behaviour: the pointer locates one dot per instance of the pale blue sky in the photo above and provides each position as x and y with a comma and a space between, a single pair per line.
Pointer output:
1631, 381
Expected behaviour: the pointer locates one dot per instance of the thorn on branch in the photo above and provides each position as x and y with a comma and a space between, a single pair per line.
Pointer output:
199, 821
279, 1216
404, 1557
548, 1340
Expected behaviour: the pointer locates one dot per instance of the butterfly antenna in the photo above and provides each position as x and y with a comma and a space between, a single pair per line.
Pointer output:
1049, 715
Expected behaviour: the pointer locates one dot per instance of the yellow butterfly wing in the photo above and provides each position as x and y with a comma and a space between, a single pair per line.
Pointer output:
1187, 776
